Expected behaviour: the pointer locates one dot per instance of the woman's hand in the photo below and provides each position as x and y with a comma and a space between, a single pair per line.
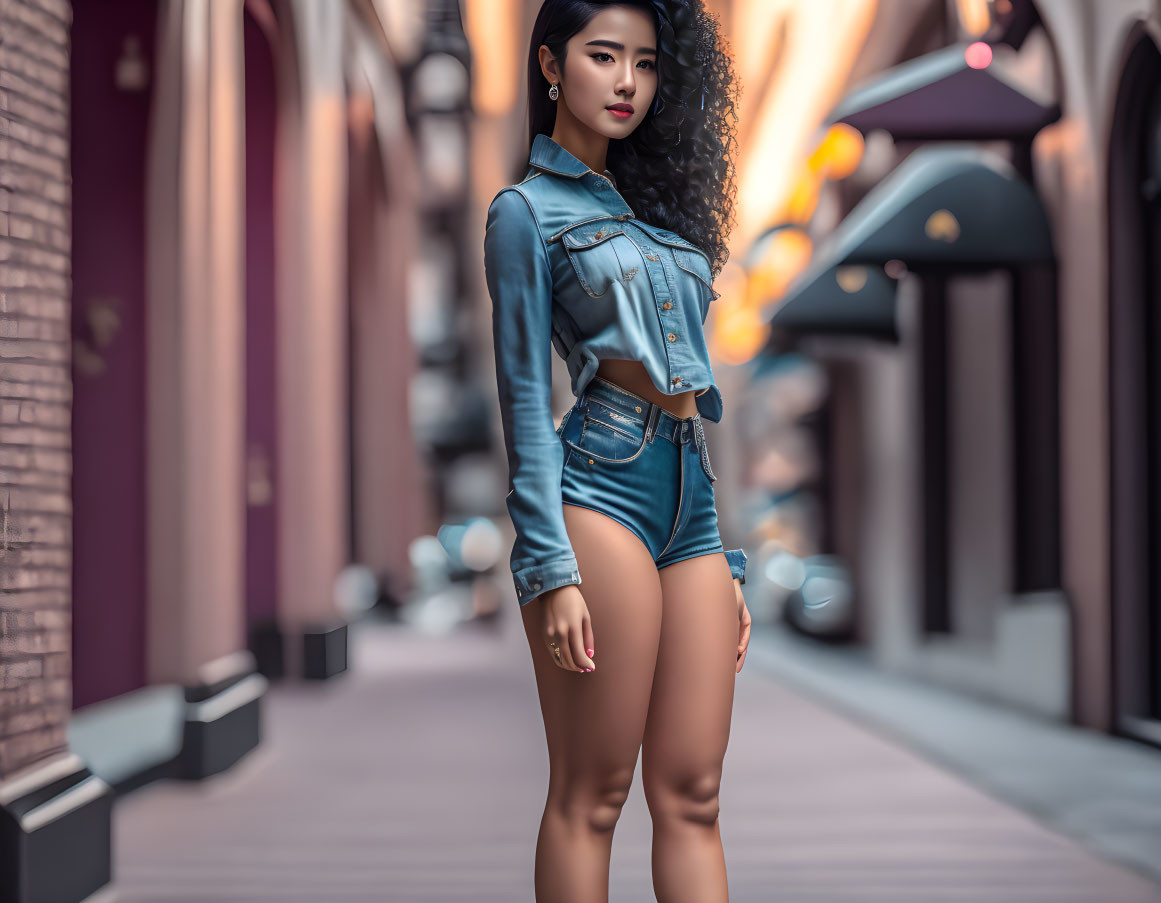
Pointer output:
743, 625
565, 622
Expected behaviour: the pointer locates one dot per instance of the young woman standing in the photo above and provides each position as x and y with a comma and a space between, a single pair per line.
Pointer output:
606, 251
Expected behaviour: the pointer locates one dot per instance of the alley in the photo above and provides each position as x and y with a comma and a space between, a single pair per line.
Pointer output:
419, 776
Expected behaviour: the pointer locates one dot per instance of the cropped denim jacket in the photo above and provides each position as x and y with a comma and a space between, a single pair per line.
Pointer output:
568, 266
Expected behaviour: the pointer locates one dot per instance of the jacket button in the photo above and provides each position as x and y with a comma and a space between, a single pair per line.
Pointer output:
536, 586
667, 305
672, 337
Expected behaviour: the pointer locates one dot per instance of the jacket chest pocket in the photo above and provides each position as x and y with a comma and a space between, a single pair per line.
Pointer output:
601, 255
694, 264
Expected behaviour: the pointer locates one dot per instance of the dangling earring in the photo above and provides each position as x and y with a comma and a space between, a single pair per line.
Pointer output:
553, 92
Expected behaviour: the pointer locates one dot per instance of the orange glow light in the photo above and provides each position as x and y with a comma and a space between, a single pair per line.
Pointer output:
787, 256
974, 16
840, 151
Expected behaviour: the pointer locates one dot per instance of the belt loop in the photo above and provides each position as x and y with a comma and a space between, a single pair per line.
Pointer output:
651, 421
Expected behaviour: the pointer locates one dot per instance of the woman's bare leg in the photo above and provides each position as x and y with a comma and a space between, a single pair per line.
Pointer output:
688, 727
594, 721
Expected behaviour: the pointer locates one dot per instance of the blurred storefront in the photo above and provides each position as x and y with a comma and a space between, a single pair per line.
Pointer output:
212, 215
971, 293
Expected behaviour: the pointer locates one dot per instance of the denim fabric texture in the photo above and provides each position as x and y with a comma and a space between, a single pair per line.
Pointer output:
646, 468
569, 267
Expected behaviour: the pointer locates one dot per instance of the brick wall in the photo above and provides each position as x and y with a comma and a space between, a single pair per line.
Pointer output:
35, 385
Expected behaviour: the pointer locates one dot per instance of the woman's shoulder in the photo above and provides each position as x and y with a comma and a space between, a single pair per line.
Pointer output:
512, 220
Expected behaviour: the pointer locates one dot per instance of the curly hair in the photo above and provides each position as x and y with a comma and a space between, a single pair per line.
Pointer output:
676, 170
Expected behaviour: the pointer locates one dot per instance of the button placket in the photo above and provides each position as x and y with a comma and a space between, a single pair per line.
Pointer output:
662, 287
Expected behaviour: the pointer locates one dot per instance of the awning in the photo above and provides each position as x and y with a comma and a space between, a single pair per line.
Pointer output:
939, 96
948, 206
945, 208
850, 300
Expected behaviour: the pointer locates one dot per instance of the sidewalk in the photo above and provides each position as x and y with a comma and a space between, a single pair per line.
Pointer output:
420, 776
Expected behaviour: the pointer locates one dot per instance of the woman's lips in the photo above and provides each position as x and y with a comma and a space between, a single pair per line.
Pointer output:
621, 110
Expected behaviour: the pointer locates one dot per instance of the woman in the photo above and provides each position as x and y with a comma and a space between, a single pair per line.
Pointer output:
606, 250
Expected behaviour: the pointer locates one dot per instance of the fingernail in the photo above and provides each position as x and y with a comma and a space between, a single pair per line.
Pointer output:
590, 651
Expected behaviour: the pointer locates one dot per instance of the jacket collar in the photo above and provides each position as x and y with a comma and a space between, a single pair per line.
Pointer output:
551, 157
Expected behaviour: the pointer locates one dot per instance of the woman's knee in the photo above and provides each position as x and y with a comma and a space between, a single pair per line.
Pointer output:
593, 800
690, 797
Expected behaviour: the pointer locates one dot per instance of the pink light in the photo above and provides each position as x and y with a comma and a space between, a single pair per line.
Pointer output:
977, 55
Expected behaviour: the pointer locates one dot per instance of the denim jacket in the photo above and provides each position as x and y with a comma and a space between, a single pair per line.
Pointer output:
568, 266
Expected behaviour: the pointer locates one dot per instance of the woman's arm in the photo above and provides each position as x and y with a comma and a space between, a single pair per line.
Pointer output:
520, 284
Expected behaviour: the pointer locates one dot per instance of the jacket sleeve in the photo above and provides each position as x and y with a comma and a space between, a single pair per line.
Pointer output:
519, 282
737, 561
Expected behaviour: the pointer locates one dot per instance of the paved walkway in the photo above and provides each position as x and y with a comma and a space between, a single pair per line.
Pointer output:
419, 777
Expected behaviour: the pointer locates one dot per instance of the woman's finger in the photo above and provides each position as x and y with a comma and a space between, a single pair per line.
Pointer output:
577, 644
743, 647
564, 643
743, 636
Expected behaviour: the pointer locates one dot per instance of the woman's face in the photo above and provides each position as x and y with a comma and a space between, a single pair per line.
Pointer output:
610, 71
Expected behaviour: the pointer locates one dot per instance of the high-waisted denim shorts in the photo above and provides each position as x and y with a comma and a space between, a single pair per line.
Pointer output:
642, 466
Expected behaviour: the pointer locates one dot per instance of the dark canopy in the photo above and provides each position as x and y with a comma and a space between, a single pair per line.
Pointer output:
939, 96
841, 300
944, 208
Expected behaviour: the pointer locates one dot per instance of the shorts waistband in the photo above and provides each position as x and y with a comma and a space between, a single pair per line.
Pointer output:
656, 419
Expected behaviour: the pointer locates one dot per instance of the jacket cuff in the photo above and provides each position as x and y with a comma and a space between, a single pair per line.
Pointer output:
736, 558
538, 579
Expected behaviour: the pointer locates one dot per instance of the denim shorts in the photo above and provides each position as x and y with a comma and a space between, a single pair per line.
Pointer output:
642, 466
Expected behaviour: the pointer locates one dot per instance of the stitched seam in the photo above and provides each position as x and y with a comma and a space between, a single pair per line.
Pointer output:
558, 236
615, 410
689, 553
595, 456
535, 222
609, 426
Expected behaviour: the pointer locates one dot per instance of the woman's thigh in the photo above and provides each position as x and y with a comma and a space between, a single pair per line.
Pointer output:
688, 723
594, 721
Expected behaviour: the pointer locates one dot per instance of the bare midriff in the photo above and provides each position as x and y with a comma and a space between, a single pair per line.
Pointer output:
632, 375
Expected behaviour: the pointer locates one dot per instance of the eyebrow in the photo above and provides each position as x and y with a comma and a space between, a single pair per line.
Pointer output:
616, 45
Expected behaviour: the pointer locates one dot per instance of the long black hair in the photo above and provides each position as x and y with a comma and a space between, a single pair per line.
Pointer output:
676, 169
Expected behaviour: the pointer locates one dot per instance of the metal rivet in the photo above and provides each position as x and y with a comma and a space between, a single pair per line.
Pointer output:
676, 380
536, 586
667, 305
638, 409
672, 337
590, 460
651, 257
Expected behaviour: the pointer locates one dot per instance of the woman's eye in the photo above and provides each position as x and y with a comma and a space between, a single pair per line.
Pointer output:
601, 56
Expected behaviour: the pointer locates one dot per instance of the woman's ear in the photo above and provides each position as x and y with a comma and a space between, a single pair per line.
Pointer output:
549, 67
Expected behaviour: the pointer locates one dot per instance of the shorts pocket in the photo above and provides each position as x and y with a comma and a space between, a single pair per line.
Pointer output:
603, 438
